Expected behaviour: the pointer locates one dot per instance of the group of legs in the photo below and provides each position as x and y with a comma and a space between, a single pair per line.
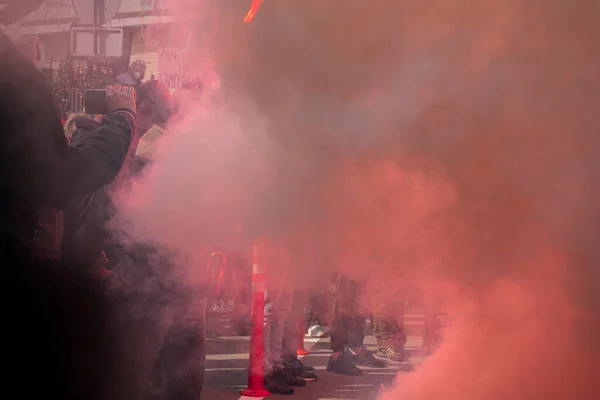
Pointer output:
284, 308
283, 369
347, 331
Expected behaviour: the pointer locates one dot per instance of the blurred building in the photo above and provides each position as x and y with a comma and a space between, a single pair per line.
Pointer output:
146, 27
13, 31
138, 19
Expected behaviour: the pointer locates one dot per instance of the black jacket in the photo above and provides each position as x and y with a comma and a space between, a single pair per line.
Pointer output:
38, 170
86, 216
85, 233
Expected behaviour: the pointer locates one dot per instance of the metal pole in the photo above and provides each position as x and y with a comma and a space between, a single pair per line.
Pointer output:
99, 20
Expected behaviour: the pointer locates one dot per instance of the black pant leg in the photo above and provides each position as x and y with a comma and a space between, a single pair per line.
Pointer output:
183, 357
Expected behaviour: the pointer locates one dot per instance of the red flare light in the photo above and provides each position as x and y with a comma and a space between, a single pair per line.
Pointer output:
252, 11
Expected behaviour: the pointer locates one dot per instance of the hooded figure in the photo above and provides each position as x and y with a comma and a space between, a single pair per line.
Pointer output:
135, 75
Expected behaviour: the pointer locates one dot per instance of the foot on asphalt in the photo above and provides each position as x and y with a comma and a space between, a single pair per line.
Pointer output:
302, 371
341, 363
291, 379
365, 358
392, 354
276, 383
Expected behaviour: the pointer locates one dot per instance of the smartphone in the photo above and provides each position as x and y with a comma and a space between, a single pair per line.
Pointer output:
94, 101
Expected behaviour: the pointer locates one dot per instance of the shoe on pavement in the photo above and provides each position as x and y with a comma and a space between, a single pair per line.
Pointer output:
391, 354
275, 383
302, 371
365, 358
291, 379
304, 366
318, 331
341, 363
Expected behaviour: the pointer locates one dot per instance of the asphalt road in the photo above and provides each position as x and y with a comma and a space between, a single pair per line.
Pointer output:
227, 364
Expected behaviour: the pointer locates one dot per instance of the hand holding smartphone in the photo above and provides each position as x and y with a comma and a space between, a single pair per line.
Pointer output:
104, 101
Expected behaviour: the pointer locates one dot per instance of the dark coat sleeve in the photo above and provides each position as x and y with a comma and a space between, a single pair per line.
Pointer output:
98, 160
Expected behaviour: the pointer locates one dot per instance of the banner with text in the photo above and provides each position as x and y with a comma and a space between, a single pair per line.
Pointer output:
175, 67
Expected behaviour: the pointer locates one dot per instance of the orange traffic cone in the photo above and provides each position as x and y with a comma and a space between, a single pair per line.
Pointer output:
256, 374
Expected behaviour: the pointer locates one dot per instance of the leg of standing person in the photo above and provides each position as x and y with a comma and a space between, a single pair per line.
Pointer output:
277, 306
356, 337
301, 258
390, 337
291, 341
341, 325
315, 314
284, 307
184, 354
138, 330
356, 349
139, 324
311, 315
388, 327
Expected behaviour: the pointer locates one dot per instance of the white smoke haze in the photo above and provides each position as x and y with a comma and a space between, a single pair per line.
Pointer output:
206, 171
453, 144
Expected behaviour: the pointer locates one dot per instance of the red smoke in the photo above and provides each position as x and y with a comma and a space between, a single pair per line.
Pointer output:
474, 171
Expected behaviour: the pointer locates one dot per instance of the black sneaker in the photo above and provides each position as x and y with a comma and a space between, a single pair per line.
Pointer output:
341, 363
391, 354
291, 379
302, 371
276, 383
303, 366
365, 358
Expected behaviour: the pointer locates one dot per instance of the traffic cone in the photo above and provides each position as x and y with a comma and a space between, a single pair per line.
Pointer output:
256, 375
